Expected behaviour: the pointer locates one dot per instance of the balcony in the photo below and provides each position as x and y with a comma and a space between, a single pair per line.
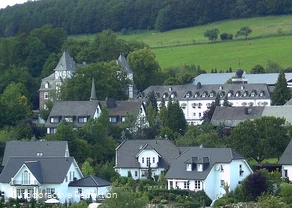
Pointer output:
14, 182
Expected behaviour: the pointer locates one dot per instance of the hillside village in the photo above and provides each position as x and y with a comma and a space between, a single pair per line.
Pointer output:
100, 123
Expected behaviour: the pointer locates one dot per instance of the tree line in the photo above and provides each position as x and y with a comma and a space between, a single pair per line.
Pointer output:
93, 16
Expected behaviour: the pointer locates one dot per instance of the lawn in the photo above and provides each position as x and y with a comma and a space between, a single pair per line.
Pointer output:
196, 49
223, 55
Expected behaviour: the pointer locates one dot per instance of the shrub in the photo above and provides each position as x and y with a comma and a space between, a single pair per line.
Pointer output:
226, 36
163, 201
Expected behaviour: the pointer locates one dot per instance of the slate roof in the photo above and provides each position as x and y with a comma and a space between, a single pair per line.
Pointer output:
177, 169
66, 63
126, 152
279, 111
286, 158
222, 78
53, 169
123, 62
180, 92
232, 116
90, 181
72, 108
30, 149
121, 108
35, 169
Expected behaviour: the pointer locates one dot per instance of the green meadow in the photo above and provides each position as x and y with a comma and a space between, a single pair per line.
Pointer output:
271, 40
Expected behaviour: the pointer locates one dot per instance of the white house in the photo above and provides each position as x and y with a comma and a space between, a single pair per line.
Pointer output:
208, 169
196, 99
45, 170
286, 162
143, 157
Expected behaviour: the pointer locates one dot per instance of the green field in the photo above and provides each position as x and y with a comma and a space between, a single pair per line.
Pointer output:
221, 55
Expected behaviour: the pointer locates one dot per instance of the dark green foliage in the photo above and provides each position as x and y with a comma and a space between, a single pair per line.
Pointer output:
226, 36
261, 138
281, 93
244, 31
258, 69
212, 34
175, 118
254, 185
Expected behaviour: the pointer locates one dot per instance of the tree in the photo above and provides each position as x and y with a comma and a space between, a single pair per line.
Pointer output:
258, 69
87, 169
164, 19
175, 117
281, 93
244, 31
212, 34
226, 102
145, 68
226, 36
254, 185
261, 138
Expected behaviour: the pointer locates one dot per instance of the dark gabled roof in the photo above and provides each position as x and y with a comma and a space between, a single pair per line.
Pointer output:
90, 181
279, 112
232, 116
207, 156
122, 108
36, 170
286, 158
203, 91
72, 108
30, 149
128, 149
53, 169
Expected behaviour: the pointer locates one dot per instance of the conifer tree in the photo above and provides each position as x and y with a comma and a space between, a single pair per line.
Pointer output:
281, 92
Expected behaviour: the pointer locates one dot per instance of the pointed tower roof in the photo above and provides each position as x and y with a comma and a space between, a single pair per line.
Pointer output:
93, 92
66, 63
123, 62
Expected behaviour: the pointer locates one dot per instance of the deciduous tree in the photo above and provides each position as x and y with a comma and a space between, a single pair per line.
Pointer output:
244, 31
212, 34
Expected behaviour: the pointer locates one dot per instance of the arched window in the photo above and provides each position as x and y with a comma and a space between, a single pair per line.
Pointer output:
47, 85
25, 179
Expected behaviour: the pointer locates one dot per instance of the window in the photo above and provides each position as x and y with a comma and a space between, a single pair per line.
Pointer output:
39, 154
47, 85
142, 159
197, 184
54, 120
200, 114
194, 114
222, 183
148, 161
20, 193
221, 168
46, 95
124, 118
171, 184
79, 191
50, 191
153, 160
200, 167
70, 176
82, 119
68, 119
194, 105
285, 173
186, 184
189, 167
183, 105
136, 173
25, 179
240, 170
113, 119
53, 130
30, 193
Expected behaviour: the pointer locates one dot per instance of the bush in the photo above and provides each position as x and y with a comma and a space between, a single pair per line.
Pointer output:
171, 196
163, 201
226, 36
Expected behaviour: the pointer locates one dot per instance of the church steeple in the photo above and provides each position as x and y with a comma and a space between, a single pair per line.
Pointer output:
93, 92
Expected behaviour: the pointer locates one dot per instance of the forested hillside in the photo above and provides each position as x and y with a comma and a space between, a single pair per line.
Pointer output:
92, 16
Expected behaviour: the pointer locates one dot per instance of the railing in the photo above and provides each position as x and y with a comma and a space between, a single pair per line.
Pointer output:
23, 183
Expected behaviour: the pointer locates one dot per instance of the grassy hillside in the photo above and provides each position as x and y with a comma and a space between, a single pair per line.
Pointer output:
195, 48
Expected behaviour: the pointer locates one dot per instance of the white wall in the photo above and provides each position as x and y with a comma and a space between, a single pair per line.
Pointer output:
148, 154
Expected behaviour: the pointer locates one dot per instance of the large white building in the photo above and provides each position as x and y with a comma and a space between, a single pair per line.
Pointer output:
196, 99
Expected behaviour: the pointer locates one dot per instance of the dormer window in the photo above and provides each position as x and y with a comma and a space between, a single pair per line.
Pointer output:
230, 93
54, 119
253, 93
68, 119
199, 167
212, 94
47, 85
204, 94
196, 94
245, 94
188, 94
237, 94
262, 93
82, 119
173, 95
189, 167
39, 154
170, 89
220, 88
242, 87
